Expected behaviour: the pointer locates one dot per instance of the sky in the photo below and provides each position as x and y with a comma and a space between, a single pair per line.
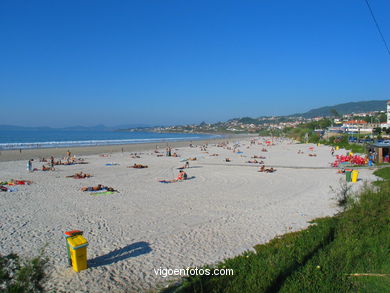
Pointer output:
157, 62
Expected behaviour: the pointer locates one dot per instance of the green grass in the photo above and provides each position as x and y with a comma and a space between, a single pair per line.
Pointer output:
318, 259
383, 173
21, 276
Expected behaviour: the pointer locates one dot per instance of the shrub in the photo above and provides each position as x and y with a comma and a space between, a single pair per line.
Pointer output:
19, 276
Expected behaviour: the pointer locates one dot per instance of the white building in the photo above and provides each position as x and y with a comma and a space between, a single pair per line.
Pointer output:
388, 112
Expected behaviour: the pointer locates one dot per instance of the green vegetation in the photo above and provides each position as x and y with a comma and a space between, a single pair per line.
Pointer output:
342, 142
347, 108
21, 276
299, 133
349, 252
307, 129
384, 173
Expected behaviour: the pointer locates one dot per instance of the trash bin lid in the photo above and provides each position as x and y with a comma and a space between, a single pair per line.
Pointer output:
72, 233
77, 242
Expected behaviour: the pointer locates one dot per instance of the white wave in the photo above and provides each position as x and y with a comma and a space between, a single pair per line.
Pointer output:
53, 144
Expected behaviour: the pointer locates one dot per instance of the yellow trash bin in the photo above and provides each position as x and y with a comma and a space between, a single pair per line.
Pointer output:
355, 175
337, 148
78, 252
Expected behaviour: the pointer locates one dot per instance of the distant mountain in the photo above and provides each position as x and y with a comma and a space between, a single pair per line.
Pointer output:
347, 108
71, 128
15, 128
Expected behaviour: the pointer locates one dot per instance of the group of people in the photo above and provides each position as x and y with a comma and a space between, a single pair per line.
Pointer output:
11, 183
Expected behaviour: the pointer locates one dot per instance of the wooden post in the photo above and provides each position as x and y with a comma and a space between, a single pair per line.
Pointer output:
380, 155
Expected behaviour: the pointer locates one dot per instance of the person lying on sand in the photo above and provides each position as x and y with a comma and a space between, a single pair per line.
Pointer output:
138, 166
214, 155
44, 168
312, 155
17, 182
3, 188
97, 188
269, 170
80, 175
258, 157
186, 165
192, 159
264, 150
253, 161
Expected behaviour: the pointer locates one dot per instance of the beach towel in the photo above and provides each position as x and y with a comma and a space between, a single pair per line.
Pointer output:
112, 164
8, 189
101, 192
174, 181
96, 191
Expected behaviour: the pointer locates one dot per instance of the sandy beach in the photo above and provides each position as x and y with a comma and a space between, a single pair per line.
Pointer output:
226, 209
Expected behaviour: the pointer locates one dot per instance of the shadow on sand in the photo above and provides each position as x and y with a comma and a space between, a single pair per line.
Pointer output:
132, 250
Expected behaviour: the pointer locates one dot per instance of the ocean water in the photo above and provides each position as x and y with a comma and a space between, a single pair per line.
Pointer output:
30, 139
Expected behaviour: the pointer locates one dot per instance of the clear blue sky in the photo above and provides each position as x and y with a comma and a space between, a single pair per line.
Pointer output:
171, 62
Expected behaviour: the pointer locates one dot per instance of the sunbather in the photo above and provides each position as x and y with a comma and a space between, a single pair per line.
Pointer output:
138, 166
44, 168
258, 157
19, 182
267, 170
97, 188
186, 165
80, 175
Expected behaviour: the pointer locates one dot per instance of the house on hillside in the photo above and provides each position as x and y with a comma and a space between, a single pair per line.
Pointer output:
357, 126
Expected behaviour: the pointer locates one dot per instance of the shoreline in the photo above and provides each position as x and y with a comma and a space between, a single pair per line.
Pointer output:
26, 154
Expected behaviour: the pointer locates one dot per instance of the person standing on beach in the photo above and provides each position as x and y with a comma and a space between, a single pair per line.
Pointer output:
29, 165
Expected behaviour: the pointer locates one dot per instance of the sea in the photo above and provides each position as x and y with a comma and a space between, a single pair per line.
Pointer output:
32, 139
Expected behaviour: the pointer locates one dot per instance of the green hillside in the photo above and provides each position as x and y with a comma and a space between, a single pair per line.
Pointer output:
347, 108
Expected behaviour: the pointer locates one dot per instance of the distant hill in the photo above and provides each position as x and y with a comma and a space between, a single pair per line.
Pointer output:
347, 108
71, 128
